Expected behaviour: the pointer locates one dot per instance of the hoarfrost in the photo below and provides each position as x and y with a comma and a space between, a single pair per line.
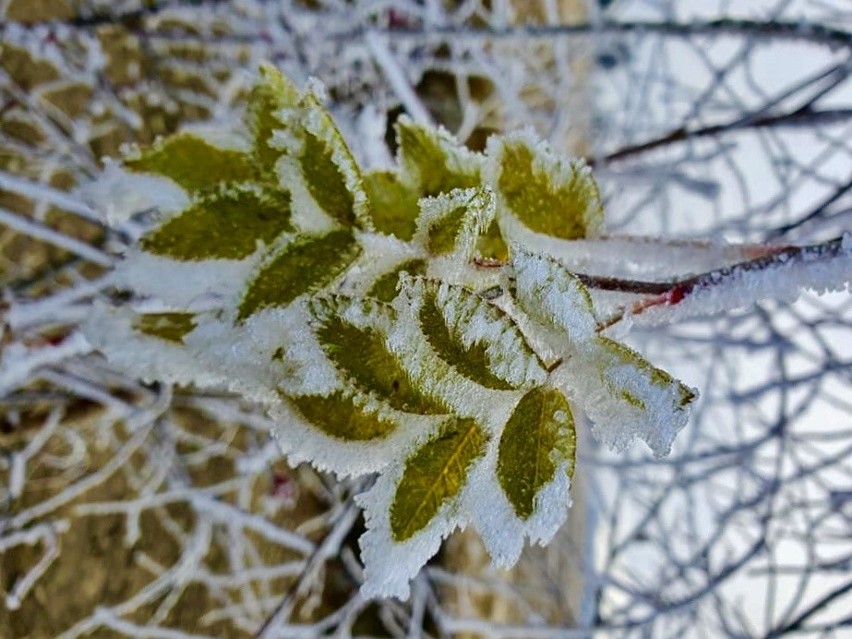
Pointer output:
118, 194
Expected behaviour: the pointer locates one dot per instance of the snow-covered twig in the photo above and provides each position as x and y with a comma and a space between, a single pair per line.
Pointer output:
781, 273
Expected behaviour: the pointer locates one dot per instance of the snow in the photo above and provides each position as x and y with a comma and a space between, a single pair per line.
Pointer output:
188, 285
118, 194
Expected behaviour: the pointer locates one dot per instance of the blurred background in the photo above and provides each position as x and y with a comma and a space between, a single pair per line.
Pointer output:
137, 510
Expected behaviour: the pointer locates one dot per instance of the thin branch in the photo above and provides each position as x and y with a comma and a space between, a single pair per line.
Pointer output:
818, 211
774, 256
768, 30
799, 621
675, 292
798, 118
60, 240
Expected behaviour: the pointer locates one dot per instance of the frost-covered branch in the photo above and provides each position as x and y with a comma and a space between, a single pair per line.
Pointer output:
781, 273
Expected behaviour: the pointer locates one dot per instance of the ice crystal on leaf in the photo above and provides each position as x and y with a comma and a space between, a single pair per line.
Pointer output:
403, 322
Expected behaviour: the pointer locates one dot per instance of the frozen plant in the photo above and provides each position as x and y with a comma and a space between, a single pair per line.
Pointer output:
420, 323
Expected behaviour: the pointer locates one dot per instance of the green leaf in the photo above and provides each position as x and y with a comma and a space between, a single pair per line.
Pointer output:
538, 436
392, 203
548, 194
384, 288
361, 353
304, 265
340, 416
194, 163
433, 161
447, 314
224, 224
172, 327
433, 475
271, 94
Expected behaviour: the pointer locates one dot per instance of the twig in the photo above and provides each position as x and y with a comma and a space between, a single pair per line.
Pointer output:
675, 292
798, 118
768, 30
60, 240
379, 49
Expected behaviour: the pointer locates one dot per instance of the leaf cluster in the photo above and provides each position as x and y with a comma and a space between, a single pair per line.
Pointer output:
407, 322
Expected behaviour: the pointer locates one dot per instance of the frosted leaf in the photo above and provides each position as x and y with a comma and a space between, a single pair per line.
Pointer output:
147, 348
393, 205
327, 442
432, 161
550, 294
626, 397
193, 163
538, 438
479, 340
118, 194
434, 475
549, 194
503, 532
226, 223
414, 506
305, 264
318, 167
343, 416
273, 93
451, 223
354, 336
